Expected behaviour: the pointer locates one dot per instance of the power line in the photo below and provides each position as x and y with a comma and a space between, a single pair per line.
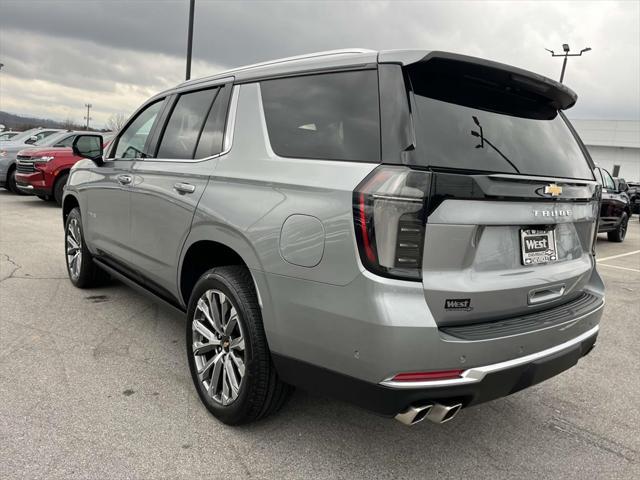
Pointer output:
88, 117
190, 38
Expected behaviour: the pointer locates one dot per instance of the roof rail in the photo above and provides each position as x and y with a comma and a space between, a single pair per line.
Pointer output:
327, 53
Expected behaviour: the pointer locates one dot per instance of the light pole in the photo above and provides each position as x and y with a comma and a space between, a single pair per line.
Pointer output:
190, 38
88, 117
565, 48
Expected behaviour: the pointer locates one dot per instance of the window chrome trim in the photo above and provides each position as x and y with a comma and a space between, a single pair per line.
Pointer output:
477, 374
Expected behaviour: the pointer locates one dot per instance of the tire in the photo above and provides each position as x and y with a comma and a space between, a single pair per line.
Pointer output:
58, 188
44, 198
259, 391
11, 182
619, 233
82, 272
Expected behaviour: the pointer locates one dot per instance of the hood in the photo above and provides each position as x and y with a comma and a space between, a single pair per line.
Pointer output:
39, 152
13, 146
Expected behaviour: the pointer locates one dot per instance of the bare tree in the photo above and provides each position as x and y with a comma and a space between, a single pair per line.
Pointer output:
69, 124
115, 122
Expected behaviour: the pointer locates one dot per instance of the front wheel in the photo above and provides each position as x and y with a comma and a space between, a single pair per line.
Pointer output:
58, 188
83, 273
619, 233
11, 183
227, 349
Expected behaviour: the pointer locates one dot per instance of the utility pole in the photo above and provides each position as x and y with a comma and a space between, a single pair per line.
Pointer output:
88, 117
565, 48
190, 38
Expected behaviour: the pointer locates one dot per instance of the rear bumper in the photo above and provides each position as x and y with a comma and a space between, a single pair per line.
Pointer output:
477, 385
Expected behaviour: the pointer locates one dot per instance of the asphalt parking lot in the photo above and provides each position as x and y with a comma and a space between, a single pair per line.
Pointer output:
94, 384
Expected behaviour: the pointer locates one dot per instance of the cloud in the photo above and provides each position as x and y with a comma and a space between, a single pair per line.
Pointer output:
115, 53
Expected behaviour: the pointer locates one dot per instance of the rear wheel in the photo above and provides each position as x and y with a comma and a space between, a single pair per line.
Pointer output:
58, 188
83, 273
619, 233
229, 359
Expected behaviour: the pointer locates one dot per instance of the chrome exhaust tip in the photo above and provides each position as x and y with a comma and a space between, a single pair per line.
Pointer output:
414, 414
441, 413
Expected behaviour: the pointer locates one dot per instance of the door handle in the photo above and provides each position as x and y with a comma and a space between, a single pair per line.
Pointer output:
184, 187
124, 179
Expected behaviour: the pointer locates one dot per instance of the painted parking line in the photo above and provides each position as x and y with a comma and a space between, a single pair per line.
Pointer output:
619, 268
617, 256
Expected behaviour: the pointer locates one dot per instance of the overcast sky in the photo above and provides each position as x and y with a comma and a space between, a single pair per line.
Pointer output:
61, 54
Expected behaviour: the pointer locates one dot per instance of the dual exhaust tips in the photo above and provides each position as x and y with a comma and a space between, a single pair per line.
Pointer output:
435, 412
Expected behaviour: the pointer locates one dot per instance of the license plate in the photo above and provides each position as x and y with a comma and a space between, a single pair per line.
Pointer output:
538, 246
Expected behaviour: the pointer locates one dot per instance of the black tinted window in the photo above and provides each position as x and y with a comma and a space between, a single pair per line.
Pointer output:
132, 140
213, 132
332, 116
65, 142
184, 127
499, 132
608, 181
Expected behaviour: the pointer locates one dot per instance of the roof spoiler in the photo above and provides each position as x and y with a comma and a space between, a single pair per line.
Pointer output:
558, 95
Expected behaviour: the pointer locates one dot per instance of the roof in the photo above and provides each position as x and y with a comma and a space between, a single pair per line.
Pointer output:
352, 58
609, 133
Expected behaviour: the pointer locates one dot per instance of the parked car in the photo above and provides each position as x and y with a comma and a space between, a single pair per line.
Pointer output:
410, 231
615, 208
44, 171
9, 150
7, 135
634, 196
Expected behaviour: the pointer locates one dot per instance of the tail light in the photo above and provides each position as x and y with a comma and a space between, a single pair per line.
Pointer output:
389, 215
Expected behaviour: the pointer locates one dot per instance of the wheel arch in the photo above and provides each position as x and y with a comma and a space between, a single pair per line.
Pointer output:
69, 202
200, 254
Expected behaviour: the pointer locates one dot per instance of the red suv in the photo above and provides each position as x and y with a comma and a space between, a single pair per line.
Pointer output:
44, 171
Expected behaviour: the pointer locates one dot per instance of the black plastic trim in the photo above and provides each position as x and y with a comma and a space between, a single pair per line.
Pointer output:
550, 317
389, 401
139, 283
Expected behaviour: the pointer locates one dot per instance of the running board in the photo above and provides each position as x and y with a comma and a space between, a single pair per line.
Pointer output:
136, 286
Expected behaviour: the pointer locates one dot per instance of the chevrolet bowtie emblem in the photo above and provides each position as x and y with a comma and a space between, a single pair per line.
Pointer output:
553, 190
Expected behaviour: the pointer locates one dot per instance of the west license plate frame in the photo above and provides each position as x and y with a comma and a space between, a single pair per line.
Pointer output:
538, 246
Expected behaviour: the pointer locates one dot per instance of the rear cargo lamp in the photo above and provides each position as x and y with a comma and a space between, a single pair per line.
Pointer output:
389, 216
427, 376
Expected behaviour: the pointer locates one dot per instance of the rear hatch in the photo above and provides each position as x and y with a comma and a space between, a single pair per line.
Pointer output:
513, 202
492, 203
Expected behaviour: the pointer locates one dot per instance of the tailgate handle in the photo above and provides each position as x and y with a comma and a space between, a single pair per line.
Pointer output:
184, 188
546, 294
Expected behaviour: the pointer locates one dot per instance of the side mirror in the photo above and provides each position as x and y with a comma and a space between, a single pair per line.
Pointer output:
89, 146
31, 140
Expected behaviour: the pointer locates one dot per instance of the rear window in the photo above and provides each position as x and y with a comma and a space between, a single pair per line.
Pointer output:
332, 116
469, 123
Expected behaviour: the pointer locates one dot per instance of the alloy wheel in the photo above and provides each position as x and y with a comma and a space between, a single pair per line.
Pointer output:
74, 248
218, 347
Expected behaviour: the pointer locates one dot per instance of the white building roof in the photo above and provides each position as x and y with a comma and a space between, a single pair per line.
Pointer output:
609, 133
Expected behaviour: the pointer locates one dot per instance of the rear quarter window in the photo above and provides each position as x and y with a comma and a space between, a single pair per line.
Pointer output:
331, 116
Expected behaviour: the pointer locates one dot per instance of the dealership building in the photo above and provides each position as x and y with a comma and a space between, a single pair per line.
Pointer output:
611, 143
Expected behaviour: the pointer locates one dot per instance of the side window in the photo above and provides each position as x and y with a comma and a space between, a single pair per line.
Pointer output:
131, 141
608, 181
212, 137
65, 142
185, 124
332, 116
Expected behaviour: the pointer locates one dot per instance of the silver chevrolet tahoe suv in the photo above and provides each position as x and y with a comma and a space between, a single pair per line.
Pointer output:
410, 231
